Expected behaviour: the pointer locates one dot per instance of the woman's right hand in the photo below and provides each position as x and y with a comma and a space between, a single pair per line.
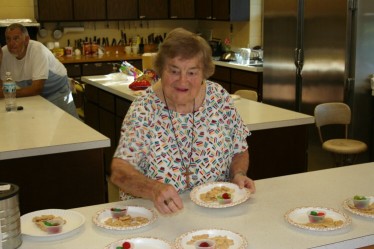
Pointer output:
166, 199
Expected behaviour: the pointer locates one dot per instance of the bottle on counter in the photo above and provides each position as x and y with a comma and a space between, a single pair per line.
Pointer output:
9, 90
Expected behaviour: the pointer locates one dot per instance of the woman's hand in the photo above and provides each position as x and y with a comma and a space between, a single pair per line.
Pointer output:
166, 199
244, 181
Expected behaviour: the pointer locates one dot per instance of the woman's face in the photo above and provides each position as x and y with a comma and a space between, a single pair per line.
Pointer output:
181, 79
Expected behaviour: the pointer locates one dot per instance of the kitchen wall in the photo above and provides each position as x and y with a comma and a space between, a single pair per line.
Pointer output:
242, 34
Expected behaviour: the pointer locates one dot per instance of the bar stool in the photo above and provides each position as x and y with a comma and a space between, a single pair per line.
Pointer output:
247, 94
343, 149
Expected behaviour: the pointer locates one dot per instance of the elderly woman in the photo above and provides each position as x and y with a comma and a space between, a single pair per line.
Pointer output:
183, 132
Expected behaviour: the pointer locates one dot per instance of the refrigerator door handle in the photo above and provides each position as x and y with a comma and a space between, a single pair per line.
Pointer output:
299, 60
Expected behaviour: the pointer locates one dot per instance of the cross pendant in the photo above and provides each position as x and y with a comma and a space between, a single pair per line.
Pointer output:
187, 174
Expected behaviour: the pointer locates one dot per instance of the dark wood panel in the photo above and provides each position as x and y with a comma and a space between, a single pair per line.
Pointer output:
153, 9
56, 10
122, 106
107, 101
182, 9
89, 10
278, 152
74, 70
122, 10
63, 180
247, 78
221, 74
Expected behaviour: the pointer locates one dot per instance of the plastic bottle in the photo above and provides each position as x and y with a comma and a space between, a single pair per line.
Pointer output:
9, 90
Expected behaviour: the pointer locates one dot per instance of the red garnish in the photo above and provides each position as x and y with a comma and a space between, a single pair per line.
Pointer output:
126, 245
226, 196
320, 214
204, 244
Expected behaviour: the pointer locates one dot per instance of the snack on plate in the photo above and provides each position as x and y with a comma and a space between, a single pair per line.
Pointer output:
326, 223
221, 242
225, 198
361, 202
316, 216
49, 223
126, 245
126, 221
212, 194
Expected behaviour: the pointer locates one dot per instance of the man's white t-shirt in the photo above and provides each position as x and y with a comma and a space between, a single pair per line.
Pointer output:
38, 63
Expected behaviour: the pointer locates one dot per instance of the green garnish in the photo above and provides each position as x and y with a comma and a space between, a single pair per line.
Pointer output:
359, 197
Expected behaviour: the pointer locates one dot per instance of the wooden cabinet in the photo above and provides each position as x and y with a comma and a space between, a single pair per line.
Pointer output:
182, 9
89, 10
105, 112
122, 10
222, 76
223, 10
234, 79
56, 10
153, 9
76, 70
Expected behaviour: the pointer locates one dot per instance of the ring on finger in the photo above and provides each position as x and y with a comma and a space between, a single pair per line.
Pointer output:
167, 201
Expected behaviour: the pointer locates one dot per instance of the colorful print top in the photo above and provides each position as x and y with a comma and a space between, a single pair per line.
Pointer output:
149, 144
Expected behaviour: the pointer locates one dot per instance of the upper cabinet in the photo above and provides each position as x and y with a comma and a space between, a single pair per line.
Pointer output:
122, 10
222, 10
99, 10
182, 9
153, 9
56, 10
89, 10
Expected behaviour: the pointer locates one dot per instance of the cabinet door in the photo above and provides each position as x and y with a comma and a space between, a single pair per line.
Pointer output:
182, 9
122, 10
56, 10
221, 9
89, 10
153, 9
204, 9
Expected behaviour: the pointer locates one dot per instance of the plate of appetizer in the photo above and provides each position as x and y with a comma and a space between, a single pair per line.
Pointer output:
51, 223
360, 205
317, 218
219, 195
140, 242
223, 239
134, 217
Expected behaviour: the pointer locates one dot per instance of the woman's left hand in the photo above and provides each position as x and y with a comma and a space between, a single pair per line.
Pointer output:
244, 181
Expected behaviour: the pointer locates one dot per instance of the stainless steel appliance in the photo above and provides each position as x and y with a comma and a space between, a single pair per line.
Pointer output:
319, 51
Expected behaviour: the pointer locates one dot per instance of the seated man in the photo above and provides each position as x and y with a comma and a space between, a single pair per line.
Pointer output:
35, 69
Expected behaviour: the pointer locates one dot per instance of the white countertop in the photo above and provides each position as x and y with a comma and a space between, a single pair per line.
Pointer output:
255, 69
42, 128
260, 219
256, 115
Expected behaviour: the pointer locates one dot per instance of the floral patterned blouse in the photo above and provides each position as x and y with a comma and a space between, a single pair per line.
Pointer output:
163, 150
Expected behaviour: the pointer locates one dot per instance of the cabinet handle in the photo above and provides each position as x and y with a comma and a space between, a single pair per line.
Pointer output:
208, 17
174, 17
141, 17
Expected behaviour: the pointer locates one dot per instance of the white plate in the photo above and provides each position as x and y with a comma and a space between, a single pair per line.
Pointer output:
239, 241
135, 211
143, 243
239, 195
348, 205
73, 219
299, 217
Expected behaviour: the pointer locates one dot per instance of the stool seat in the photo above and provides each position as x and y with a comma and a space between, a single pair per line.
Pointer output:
344, 146
343, 149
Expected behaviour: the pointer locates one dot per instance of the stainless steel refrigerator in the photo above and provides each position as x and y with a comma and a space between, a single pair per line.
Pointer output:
318, 51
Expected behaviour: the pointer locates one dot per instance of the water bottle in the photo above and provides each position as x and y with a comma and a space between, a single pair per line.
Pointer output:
9, 90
